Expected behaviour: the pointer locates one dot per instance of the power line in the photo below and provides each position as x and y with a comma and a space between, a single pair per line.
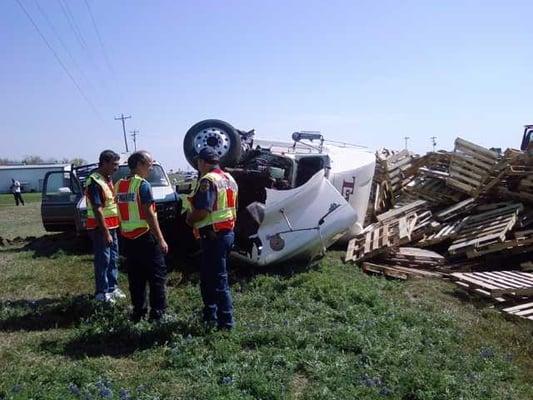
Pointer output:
58, 59
70, 20
62, 42
79, 37
100, 41
123, 119
134, 134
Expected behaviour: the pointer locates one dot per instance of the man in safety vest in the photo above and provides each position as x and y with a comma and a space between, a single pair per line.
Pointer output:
102, 224
212, 216
144, 244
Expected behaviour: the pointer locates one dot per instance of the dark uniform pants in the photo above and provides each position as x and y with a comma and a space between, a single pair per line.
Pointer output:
18, 198
214, 284
146, 265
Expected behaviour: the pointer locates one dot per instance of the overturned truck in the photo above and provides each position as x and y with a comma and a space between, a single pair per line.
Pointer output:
296, 198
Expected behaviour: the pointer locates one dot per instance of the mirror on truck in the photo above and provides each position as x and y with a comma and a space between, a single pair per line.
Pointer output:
527, 139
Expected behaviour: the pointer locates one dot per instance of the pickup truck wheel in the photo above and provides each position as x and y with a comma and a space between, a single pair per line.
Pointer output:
216, 134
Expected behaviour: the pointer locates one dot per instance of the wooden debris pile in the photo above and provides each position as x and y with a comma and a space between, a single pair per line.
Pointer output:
452, 214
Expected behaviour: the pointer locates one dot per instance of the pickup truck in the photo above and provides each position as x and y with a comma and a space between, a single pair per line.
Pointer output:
64, 208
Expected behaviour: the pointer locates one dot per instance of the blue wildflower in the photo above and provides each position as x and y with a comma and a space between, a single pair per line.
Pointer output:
486, 352
385, 391
74, 389
105, 393
16, 388
124, 394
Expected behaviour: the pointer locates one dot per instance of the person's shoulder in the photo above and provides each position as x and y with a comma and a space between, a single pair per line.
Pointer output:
145, 184
204, 185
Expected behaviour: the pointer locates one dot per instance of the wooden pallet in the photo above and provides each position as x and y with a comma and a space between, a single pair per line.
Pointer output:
434, 191
522, 244
413, 207
444, 233
379, 238
395, 169
415, 257
496, 283
480, 230
470, 167
397, 272
522, 310
456, 210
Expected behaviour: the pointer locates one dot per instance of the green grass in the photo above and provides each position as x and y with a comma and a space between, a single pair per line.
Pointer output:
329, 332
9, 200
21, 221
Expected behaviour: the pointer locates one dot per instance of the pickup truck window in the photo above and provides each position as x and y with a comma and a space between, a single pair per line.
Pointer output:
157, 175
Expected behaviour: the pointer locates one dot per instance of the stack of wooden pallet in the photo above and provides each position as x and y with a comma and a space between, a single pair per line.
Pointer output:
472, 207
479, 231
470, 167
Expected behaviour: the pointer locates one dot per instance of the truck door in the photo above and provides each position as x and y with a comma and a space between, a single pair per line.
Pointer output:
61, 193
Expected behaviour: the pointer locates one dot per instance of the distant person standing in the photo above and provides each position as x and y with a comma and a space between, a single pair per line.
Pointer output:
102, 224
17, 193
144, 244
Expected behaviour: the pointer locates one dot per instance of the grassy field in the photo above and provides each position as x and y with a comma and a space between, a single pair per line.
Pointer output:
21, 221
329, 332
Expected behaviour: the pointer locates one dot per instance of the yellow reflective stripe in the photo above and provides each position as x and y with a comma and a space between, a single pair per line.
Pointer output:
110, 208
134, 221
223, 212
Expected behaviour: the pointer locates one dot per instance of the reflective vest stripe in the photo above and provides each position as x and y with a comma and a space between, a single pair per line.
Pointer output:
122, 187
224, 210
109, 208
132, 216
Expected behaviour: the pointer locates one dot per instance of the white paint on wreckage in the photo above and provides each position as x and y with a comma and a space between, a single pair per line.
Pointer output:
352, 171
300, 223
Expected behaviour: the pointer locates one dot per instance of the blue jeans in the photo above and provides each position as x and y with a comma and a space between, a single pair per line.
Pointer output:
105, 261
214, 285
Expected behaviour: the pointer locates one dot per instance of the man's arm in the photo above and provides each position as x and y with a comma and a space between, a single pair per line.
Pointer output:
100, 221
202, 203
151, 218
196, 215
147, 199
96, 195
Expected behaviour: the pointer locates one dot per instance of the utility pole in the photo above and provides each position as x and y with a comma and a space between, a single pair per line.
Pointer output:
406, 138
134, 134
434, 142
124, 118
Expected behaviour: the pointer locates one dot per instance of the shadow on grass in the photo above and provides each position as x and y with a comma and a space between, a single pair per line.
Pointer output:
123, 340
45, 314
65, 243
61, 243
467, 297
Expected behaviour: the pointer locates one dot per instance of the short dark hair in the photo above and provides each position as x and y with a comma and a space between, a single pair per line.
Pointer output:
107, 156
137, 157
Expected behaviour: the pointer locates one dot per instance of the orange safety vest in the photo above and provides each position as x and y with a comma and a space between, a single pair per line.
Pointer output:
224, 213
133, 223
109, 207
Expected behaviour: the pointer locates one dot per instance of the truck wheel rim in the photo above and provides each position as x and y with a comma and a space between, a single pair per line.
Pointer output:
215, 138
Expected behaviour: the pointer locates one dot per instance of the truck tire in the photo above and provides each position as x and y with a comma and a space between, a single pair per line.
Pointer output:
216, 134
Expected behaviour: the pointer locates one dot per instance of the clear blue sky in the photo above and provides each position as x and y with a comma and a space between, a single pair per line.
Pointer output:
368, 72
